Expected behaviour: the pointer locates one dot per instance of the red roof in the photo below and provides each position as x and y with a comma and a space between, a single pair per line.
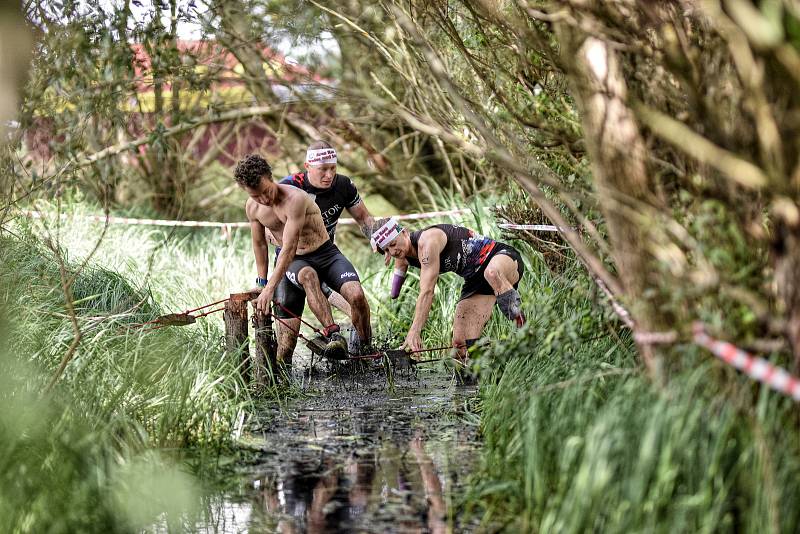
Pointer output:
218, 59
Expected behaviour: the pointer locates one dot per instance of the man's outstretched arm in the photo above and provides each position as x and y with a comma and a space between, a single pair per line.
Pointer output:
429, 250
260, 244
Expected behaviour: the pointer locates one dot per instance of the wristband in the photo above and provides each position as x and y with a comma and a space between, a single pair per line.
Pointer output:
261, 282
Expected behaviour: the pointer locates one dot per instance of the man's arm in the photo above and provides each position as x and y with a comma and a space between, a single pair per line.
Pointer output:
260, 247
429, 248
362, 217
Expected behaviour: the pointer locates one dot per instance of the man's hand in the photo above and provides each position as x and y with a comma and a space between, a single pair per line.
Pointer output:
413, 341
263, 300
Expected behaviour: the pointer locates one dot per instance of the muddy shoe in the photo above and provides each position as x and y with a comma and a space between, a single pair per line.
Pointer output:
336, 347
465, 376
356, 347
317, 345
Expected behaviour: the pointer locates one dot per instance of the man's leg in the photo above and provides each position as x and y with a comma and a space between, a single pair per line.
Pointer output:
337, 300
308, 279
288, 300
340, 275
353, 293
471, 316
502, 272
306, 282
287, 339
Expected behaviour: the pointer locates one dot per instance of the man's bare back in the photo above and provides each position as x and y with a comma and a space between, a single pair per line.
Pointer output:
313, 233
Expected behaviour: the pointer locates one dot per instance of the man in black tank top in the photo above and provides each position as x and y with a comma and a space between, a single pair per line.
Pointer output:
491, 271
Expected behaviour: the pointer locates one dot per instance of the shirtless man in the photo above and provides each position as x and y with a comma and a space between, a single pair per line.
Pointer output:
290, 218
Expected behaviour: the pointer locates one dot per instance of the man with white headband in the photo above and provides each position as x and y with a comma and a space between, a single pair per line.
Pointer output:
491, 271
333, 193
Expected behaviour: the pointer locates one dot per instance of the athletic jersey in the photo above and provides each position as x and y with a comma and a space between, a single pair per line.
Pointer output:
464, 253
331, 201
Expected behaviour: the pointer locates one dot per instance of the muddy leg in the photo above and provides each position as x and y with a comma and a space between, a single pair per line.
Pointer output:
287, 340
502, 274
354, 294
338, 301
316, 299
472, 314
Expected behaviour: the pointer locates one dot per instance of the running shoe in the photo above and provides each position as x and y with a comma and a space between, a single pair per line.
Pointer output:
336, 347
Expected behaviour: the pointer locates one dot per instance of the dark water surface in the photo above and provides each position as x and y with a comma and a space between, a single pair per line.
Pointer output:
356, 455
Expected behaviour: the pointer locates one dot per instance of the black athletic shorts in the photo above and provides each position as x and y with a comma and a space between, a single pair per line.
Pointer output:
332, 268
477, 283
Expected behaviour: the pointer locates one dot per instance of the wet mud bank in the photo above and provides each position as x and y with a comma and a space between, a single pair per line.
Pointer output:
356, 454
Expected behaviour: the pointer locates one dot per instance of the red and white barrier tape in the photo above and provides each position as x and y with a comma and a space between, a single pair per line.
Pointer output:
224, 225
756, 368
537, 227
146, 222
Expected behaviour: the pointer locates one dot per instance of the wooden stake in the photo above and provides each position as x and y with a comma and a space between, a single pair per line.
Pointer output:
266, 369
236, 342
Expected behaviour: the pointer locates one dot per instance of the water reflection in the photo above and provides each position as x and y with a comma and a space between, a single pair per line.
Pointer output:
366, 491
390, 467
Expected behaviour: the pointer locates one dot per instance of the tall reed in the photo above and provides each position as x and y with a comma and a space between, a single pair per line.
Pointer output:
92, 453
577, 439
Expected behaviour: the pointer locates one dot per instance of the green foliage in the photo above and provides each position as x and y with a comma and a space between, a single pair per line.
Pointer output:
80, 457
577, 439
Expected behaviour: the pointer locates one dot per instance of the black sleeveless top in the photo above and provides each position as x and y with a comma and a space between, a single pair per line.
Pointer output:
464, 253
341, 195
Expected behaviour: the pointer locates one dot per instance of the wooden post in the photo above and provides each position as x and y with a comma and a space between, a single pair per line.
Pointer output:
266, 370
236, 342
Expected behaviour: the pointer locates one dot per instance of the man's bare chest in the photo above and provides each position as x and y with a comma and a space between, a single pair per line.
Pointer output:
271, 219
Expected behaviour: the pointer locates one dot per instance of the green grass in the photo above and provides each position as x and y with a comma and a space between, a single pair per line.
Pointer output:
577, 439
94, 453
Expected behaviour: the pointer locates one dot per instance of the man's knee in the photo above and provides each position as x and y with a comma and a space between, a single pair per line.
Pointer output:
307, 277
492, 275
354, 293
287, 331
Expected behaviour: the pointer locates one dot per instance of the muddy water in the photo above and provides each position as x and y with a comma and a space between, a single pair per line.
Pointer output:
356, 454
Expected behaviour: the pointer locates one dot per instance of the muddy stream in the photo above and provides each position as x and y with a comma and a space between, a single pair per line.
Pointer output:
355, 454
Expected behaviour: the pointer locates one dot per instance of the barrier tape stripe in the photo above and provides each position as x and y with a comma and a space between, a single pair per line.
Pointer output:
537, 227
209, 224
756, 368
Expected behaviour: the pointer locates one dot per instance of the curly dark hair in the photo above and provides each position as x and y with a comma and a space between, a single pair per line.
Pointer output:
251, 169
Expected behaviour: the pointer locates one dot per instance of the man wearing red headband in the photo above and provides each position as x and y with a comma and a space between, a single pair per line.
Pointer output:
491, 271
333, 193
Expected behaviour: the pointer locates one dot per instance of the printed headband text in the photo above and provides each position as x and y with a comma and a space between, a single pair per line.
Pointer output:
320, 156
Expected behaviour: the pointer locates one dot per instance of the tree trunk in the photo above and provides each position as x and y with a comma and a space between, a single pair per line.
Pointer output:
617, 152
